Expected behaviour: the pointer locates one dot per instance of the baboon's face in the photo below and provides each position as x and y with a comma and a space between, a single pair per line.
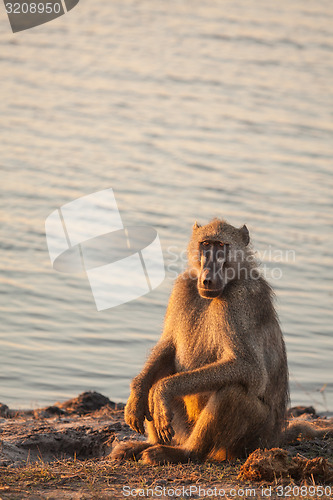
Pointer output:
213, 256
216, 254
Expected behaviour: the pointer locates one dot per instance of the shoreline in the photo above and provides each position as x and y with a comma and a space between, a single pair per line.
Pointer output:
61, 451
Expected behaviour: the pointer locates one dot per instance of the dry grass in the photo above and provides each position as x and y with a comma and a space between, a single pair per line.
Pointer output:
100, 479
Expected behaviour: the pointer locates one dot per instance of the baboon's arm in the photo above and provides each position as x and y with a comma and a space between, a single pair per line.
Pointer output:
242, 362
213, 377
161, 363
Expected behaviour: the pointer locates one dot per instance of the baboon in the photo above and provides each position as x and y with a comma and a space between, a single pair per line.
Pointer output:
215, 386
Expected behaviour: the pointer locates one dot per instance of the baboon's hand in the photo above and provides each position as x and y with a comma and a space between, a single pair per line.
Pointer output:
136, 411
159, 406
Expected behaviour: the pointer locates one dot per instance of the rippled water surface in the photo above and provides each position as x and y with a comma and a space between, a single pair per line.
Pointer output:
188, 110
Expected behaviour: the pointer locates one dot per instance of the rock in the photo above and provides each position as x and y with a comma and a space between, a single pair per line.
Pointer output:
296, 411
86, 402
54, 410
4, 410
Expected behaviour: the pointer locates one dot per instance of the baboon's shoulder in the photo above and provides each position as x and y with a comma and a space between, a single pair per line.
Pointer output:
185, 287
184, 302
251, 301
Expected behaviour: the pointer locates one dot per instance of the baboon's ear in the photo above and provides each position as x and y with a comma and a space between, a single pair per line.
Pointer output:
245, 235
196, 225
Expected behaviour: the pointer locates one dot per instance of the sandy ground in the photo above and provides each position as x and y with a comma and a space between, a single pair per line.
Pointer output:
61, 452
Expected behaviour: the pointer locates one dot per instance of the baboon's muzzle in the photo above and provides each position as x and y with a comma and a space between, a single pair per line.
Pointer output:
210, 281
209, 294
209, 284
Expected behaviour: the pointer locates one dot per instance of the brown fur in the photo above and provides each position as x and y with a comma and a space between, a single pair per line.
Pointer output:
215, 386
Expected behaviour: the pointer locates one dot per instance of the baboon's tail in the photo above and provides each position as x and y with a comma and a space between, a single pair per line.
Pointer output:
305, 430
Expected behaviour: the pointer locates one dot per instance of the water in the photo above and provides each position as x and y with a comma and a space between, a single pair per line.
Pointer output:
188, 110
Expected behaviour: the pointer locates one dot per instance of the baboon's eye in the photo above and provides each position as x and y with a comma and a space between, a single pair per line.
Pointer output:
206, 243
221, 244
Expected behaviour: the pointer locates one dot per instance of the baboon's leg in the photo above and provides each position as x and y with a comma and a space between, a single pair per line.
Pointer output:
180, 423
130, 450
230, 423
159, 453
229, 426
152, 434
163, 454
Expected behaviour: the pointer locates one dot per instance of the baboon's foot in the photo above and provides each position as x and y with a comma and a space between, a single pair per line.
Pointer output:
219, 455
162, 454
130, 450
